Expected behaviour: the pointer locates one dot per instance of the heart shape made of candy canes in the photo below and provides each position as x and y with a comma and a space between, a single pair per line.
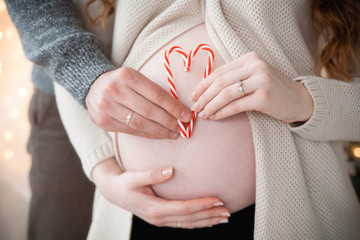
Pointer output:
186, 132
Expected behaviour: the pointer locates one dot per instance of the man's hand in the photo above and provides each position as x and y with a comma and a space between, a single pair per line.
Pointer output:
117, 93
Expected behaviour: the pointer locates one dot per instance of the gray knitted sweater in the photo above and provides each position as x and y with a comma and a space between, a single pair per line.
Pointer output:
54, 38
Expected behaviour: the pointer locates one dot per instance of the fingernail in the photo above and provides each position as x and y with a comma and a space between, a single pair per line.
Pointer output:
218, 204
167, 172
202, 114
193, 96
223, 221
212, 116
185, 116
225, 214
195, 107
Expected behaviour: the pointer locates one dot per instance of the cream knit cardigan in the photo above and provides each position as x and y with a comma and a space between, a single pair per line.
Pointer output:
302, 188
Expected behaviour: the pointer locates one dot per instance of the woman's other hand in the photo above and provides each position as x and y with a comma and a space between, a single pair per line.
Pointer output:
116, 94
264, 89
132, 191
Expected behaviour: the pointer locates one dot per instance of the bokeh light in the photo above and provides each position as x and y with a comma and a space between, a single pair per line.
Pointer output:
8, 135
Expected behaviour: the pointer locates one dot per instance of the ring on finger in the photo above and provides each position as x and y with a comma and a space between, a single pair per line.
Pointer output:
179, 224
239, 84
128, 117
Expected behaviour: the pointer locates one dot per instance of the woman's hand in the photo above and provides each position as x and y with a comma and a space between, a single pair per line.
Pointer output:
132, 191
124, 94
265, 90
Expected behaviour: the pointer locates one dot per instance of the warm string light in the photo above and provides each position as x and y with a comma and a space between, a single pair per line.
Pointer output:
8, 135
2, 6
354, 150
22, 92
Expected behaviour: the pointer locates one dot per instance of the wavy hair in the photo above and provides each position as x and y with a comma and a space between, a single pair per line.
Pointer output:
338, 21
109, 8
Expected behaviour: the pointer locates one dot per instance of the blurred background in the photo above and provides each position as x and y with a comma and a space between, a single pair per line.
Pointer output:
15, 93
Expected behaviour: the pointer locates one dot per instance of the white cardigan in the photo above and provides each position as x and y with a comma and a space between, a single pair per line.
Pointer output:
302, 188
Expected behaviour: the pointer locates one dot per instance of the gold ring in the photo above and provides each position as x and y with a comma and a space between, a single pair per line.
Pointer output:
239, 85
128, 117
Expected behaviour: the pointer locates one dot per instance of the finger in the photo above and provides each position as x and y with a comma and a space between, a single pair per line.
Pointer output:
247, 103
141, 124
199, 224
161, 211
123, 128
111, 123
152, 112
188, 207
228, 95
202, 86
146, 178
160, 97
218, 85
200, 215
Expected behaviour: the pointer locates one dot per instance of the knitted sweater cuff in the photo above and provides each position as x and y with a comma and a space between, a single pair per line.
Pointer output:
320, 107
87, 63
102, 152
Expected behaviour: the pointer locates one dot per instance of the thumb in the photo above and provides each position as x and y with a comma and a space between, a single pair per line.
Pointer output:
145, 178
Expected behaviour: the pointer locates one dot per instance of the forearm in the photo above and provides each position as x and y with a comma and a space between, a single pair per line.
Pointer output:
54, 38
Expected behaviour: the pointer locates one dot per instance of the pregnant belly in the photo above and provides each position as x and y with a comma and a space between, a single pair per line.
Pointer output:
217, 161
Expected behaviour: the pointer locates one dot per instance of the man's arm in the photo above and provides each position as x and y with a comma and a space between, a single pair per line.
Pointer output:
53, 37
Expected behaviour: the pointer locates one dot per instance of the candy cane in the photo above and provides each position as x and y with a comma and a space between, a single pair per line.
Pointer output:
186, 133
206, 73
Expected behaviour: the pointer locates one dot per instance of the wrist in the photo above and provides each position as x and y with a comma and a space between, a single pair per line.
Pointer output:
306, 108
105, 170
91, 90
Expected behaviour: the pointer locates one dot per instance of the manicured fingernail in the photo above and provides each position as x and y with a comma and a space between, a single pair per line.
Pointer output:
202, 114
212, 116
167, 172
225, 214
193, 96
174, 135
223, 221
195, 107
218, 204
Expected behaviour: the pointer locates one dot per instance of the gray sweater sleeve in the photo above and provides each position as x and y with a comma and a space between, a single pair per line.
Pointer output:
53, 37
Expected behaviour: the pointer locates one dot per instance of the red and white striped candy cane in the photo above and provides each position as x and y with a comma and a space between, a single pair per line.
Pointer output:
186, 133
210, 59
206, 73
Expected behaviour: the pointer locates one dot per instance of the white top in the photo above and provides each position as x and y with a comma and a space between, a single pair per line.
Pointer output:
302, 188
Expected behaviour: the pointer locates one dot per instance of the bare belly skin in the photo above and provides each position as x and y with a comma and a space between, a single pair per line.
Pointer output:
218, 160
